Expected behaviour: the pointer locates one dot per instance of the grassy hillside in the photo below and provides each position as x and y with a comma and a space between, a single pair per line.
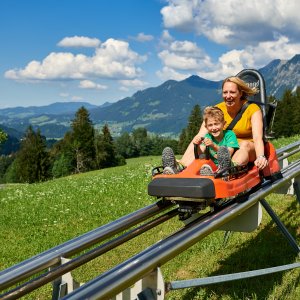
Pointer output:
36, 217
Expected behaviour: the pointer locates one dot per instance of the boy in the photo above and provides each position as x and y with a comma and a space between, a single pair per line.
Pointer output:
221, 144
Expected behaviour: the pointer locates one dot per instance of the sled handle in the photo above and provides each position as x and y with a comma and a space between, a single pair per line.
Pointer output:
196, 151
197, 154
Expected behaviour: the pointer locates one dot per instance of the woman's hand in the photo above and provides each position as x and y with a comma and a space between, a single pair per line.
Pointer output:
197, 139
261, 162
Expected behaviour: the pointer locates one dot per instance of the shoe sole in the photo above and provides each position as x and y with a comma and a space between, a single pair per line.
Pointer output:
168, 158
168, 171
224, 159
206, 171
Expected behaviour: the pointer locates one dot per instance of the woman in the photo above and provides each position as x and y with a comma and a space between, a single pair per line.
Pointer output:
249, 129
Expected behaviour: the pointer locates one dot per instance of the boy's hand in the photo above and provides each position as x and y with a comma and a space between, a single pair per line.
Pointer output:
208, 142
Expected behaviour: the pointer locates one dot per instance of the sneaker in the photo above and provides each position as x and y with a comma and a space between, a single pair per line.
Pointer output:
224, 158
169, 160
168, 171
206, 170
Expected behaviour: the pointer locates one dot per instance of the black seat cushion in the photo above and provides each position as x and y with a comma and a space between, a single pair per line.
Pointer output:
182, 187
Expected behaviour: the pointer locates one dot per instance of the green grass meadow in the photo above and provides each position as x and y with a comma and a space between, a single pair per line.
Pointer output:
36, 217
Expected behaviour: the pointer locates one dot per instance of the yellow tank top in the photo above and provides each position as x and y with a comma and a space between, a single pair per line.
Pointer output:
243, 128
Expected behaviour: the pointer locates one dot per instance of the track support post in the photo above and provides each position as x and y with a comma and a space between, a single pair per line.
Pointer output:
150, 287
280, 225
296, 186
64, 285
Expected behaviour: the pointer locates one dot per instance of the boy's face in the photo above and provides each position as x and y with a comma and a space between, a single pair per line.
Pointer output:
215, 127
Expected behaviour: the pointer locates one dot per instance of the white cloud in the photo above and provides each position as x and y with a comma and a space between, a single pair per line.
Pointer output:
232, 62
179, 14
88, 84
184, 55
168, 73
229, 64
282, 48
182, 58
166, 36
175, 61
79, 41
112, 59
124, 89
142, 37
136, 83
255, 32
234, 22
165, 39
76, 98
64, 95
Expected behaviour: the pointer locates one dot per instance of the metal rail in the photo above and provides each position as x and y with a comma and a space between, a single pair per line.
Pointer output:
77, 262
53, 256
288, 148
127, 273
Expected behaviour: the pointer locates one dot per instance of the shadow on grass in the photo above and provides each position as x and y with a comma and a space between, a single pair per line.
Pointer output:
268, 249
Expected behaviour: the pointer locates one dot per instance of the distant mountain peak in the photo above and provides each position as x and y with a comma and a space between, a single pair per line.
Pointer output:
196, 80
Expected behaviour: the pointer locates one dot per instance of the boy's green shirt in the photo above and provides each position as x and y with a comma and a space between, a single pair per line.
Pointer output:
229, 140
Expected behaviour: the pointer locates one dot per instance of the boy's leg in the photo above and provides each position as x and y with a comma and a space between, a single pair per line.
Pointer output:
169, 160
224, 159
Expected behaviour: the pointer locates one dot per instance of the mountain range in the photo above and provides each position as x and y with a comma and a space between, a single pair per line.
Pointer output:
163, 109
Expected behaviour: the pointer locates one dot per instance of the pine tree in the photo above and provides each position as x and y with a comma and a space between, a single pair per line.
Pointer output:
182, 143
32, 161
141, 141
5, 162
283, 117
194, 124
63, 157
105, 148
3, 136
296, 117
83, 135
125, 146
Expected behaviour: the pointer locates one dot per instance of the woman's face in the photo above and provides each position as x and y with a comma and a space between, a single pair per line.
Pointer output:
231, 94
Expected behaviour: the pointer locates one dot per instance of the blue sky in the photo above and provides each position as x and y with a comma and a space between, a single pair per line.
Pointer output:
104, 50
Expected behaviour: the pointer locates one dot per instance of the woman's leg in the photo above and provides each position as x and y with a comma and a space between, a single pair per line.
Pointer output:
188, 155
245, 154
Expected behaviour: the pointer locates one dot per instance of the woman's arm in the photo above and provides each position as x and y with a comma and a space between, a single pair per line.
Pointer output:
188, 155
257, 133
199, 136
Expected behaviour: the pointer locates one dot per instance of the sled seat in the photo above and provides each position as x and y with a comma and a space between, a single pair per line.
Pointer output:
202, 188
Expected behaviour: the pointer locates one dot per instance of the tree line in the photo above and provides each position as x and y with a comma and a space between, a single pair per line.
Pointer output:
84, 149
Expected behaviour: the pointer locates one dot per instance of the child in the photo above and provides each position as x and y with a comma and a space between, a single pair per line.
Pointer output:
221, 143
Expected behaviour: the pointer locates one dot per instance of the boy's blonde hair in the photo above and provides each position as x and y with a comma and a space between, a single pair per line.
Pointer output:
213, 112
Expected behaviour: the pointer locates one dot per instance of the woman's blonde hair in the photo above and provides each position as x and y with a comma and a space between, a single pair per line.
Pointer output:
213, 112
243, 87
